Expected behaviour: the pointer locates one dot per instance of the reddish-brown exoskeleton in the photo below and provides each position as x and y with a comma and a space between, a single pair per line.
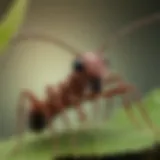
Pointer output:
90, 73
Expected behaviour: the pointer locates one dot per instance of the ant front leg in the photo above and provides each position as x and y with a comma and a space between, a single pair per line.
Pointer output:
134, 95
129, 110
123, 91
95, 91
96, 105
140, 106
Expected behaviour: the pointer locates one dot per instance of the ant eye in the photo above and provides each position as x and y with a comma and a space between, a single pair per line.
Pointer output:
78, 65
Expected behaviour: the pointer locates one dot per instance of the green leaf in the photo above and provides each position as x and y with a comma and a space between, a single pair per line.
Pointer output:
116, 135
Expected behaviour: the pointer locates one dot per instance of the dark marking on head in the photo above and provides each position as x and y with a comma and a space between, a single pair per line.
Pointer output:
78, 65
96, 85
37, 121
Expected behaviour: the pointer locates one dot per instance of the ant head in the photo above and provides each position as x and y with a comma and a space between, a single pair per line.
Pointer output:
92, 63
37, 121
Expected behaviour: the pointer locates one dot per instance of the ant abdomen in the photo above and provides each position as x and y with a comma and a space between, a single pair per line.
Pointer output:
37, 121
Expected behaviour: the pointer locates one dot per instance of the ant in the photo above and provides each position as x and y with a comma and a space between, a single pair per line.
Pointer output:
85, 83
90, 72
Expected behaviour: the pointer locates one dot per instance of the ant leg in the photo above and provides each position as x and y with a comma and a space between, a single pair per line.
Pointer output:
125, 88
82, 118
21, 117
20, 124
122, 90
81, 113
50, 127
142, 110
94, 98
72, 139
95, 107
129, 111
51, 130
66, 119
108, 109
77, 103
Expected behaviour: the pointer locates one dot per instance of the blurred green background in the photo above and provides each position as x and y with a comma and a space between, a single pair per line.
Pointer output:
85, 25
11, 15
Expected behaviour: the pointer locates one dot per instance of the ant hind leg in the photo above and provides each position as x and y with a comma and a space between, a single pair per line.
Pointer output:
20, 127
